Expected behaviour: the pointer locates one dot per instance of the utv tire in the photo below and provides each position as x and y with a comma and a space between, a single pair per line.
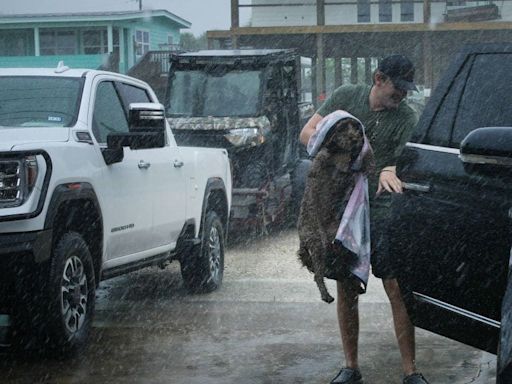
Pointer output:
203, 270
70, 295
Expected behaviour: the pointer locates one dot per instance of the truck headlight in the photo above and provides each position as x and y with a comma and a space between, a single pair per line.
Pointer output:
17, 180
245, 137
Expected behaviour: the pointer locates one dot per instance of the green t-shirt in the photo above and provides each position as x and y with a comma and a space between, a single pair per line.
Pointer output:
387, 130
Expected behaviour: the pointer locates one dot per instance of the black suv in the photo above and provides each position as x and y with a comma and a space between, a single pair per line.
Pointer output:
451, 228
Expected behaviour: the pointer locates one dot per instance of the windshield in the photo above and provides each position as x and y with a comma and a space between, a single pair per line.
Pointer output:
39, 101
198, 93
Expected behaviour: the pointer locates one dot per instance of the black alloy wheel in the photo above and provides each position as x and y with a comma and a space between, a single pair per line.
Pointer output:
203, 270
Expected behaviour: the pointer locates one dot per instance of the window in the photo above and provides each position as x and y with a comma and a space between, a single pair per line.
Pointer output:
440, 130
34, 101
406, 10
198, 93
385, 10
132, 94
16, 43
455, 3
483, 104
95, 41
58, 42
109, 115
363, 11
141, 42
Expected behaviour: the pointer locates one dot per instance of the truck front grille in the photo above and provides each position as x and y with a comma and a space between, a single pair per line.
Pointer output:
10, 183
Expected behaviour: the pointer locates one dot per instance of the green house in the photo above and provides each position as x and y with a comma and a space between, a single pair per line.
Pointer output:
108, 40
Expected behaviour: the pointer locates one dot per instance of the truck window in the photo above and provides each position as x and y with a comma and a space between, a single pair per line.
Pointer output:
37, 101
109, 115
132, 94
483, 104
440, 130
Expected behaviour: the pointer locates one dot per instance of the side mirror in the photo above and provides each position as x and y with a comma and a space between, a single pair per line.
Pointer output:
146, 117
490, 145
146, 122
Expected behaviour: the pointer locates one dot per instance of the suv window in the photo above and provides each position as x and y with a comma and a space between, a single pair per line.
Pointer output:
483, 103
441, 127
109, 115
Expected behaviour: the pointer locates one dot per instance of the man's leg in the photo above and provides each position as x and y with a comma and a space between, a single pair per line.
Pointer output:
348, 320
404, 329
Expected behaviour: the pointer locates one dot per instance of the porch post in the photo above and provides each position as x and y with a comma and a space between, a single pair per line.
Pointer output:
353, 70
37, 46
110, 39
368, 70
320, 12
320, 68
235, 22
337, 72
122, 64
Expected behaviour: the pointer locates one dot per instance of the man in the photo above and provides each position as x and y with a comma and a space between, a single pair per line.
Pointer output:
388, 121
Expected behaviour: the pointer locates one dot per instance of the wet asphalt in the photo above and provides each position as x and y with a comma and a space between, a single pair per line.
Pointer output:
266, 325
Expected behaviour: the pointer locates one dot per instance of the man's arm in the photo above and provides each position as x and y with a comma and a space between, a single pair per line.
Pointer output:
309, 128
388, 180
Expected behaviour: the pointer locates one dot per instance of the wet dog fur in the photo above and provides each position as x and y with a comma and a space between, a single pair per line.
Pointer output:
329, 184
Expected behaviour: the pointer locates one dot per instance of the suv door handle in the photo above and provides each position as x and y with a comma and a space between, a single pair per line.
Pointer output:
178, 163
417, 187
144, 165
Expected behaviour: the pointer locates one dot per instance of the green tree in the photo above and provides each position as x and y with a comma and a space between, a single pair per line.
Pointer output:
191, 43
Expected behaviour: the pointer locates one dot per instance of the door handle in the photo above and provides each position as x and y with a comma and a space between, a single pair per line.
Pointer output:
144, 165
417, 187
178, 163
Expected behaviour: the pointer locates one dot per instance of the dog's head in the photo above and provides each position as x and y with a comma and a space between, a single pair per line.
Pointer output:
346, 137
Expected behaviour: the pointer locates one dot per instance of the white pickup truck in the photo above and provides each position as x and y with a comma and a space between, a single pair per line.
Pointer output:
93, 185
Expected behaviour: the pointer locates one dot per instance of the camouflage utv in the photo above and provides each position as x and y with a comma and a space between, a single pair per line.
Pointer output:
248, 102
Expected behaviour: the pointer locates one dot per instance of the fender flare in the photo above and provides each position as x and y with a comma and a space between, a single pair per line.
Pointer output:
214, 184
68, 192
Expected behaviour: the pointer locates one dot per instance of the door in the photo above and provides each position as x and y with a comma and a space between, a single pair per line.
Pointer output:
126, 185
166, 170
451, 229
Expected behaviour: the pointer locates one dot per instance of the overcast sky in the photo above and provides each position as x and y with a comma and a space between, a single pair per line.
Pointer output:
203, 14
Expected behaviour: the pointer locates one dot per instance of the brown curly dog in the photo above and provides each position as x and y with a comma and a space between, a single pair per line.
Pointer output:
328, 186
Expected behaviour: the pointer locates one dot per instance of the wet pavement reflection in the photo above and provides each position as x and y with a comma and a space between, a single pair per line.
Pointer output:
266, 324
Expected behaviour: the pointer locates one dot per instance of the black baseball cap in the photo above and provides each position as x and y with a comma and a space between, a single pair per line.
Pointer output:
400, 70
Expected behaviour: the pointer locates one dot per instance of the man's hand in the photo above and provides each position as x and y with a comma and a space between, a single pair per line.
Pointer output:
309, 128
388, 181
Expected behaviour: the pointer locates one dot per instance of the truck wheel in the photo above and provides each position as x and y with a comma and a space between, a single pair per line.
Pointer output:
71, 294
203, 270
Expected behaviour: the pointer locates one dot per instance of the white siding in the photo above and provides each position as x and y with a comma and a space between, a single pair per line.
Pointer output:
346, 14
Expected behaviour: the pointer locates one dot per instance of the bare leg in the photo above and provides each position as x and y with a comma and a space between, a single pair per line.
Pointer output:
348, 320
404, 329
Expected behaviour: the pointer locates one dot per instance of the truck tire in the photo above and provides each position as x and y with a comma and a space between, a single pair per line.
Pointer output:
203, 270
71, 295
